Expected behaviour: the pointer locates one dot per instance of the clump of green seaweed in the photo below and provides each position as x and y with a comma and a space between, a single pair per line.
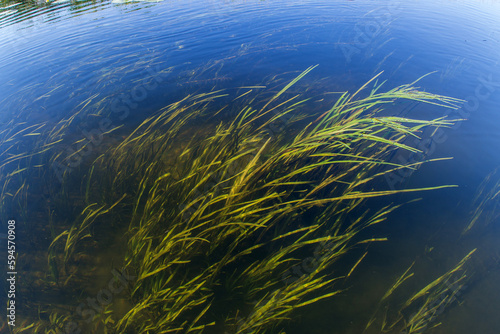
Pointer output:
217, 209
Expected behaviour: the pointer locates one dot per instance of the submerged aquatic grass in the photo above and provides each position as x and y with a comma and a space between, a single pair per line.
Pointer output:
420, 311
486, 201
217, 210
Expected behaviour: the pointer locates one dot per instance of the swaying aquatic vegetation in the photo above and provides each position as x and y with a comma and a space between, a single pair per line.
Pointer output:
420, 311
486, 201
220, 210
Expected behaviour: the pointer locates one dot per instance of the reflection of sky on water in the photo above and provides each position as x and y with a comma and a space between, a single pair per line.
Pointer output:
55, 56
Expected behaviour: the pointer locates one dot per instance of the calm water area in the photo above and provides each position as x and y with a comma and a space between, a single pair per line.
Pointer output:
96, 70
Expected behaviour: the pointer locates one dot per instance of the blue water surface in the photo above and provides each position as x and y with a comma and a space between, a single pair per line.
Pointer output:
56, 56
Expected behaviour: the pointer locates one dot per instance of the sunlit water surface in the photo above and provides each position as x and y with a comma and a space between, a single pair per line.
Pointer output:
55, 57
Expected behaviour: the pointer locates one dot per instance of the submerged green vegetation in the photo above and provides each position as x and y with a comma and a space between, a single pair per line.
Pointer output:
228, 219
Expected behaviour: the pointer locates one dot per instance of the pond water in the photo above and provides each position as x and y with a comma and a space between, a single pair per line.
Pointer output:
81, 83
